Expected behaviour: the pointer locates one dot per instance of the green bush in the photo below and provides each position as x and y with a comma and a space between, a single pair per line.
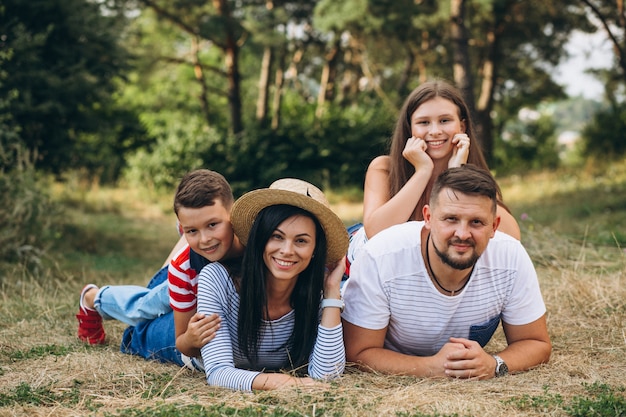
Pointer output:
604, 136
29, 217
331, 151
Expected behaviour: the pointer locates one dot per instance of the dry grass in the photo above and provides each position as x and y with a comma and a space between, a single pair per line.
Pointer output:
584, 289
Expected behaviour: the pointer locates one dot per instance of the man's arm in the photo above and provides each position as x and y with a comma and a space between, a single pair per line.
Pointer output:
364, 347
528, 346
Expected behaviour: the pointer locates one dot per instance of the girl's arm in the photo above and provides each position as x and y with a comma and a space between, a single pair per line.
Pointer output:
379, 210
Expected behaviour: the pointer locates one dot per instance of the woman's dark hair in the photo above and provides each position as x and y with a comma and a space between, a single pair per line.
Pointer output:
305, 298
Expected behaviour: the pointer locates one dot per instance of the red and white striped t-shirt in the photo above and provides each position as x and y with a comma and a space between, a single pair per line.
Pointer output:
182, 275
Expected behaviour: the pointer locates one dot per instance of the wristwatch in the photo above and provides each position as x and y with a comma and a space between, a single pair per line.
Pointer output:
501, 368
333, 302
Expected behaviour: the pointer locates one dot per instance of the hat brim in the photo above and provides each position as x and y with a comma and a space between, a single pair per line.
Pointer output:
247, 207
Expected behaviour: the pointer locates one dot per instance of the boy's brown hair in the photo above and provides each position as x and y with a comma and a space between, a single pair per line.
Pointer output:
200, 188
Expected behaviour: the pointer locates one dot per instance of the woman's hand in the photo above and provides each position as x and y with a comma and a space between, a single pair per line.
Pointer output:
460, 152
267, 381
333, 277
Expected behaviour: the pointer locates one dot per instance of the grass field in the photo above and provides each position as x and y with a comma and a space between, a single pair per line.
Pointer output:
573, 225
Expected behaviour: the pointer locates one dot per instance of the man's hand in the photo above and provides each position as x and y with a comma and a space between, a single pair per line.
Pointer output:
469, 362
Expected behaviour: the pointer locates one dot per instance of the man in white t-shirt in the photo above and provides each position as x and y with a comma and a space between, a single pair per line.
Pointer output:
424, 298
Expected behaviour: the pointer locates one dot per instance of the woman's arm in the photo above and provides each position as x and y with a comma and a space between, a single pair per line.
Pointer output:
216, 294
328, 358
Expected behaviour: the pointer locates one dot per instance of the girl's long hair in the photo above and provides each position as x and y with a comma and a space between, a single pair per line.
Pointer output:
401, 169
305, 298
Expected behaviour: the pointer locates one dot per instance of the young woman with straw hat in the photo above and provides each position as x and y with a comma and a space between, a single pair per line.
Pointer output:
281, 311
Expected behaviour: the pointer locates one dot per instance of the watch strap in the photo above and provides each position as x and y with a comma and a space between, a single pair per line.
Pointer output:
333, 302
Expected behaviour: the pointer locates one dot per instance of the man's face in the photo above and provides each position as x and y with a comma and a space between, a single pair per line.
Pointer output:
208, 230
461, 226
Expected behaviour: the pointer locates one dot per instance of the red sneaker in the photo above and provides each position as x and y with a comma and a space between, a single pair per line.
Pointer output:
90, 328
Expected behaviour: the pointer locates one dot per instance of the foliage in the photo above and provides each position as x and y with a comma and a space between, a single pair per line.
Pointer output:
75, 96
332, 151
528, 144
28, 216
65, 60
604, 136
183, 147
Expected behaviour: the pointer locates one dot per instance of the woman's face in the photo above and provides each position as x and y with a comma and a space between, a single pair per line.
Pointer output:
436, 121
290, 248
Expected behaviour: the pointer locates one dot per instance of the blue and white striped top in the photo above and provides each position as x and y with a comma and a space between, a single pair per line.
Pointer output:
224, 363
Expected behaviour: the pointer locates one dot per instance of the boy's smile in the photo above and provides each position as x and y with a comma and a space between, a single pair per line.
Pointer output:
208, 230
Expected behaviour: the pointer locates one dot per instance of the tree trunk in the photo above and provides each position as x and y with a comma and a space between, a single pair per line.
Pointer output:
231, 52
461, 59
405, 76
619, 48
264, 86
199, 73
279, 80
327, 80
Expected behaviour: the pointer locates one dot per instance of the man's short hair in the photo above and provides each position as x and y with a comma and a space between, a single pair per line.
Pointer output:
467, 179
200, 188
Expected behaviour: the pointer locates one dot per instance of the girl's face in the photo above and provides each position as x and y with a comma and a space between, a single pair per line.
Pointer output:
290, 248
436, 121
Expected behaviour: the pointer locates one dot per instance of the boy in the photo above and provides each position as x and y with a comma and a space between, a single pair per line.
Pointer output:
202, 205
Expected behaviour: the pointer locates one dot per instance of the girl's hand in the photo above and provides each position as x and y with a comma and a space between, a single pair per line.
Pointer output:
415, 152
460, 153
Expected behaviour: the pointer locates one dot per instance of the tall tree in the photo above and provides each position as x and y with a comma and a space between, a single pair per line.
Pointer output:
611, 16
66, 58
463, 73
215, 23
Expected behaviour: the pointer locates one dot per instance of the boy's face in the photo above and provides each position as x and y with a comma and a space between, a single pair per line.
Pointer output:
208, 230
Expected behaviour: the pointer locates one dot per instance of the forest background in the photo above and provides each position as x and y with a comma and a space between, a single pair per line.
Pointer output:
104, 104
138, 92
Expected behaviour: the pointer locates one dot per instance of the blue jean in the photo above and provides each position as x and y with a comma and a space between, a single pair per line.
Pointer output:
132, 304
147, 310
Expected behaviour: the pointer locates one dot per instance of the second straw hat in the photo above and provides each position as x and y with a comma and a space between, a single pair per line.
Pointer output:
297, 193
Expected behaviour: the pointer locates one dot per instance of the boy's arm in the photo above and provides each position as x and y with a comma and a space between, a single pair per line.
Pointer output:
194, 330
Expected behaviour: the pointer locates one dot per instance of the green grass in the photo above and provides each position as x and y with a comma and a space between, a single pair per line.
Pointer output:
584, 205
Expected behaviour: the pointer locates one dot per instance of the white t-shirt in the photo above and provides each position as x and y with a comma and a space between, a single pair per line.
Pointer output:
390, 287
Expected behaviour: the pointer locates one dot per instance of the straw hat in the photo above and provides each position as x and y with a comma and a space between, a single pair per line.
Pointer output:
297, 193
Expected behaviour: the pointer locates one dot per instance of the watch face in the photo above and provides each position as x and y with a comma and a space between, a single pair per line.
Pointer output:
501, 367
